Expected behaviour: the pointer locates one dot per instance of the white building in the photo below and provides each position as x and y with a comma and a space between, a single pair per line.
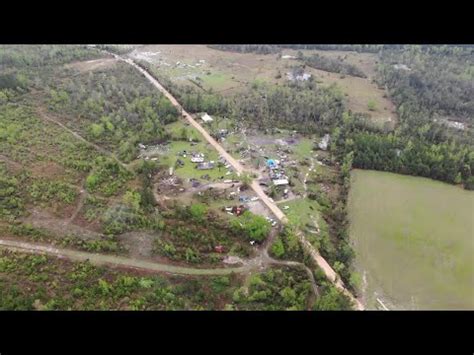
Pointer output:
206, 118
280, 182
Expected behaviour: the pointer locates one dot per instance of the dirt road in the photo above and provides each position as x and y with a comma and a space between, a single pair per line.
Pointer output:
321, 262
118, 261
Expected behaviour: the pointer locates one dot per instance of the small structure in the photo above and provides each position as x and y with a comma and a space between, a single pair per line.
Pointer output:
280, 182
197, 159
205, 166
207, 118
323, 145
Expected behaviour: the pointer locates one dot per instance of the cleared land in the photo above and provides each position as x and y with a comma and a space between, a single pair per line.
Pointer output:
229, 73
414, 241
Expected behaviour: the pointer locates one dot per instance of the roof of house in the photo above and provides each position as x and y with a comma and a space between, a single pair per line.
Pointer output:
206, 165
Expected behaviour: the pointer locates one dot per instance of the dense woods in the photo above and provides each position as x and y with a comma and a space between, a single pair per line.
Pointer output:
430, 80
420, 145
20, 56
371, 48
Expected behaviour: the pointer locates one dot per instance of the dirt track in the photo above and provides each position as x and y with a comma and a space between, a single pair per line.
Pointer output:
118, 261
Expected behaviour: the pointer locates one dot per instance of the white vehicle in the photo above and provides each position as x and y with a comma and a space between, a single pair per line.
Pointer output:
255, 198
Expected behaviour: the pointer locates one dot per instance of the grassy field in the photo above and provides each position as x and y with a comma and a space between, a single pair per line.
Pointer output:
413, 239
302, 211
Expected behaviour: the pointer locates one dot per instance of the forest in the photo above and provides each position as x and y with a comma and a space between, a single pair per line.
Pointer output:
419, 146
435, 80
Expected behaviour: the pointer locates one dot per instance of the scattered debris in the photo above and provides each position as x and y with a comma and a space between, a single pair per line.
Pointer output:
455, 124
401, 67
323, 145
207, 118
298, 77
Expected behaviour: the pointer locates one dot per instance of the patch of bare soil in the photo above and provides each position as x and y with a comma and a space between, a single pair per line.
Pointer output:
58, 226
12, 165
95, 64
46, 169
138, 244
258, 208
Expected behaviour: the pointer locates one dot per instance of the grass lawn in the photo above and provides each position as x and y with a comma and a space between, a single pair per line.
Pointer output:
189, 169
414, 240
300, 211
218, 81
303, 149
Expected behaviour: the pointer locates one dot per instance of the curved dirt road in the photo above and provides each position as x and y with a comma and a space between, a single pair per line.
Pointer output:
118, 261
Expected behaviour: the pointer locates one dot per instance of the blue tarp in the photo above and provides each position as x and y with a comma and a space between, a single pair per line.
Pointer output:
271, 163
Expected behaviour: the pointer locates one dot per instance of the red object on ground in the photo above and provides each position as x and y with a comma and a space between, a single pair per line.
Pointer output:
219, 248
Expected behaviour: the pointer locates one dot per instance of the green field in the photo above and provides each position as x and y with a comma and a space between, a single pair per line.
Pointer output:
414, 241
302, 211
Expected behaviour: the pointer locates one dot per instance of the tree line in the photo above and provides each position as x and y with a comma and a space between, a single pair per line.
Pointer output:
247, 48
333, 65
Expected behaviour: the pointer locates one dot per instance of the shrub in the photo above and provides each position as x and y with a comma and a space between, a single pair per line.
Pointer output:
278, 249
